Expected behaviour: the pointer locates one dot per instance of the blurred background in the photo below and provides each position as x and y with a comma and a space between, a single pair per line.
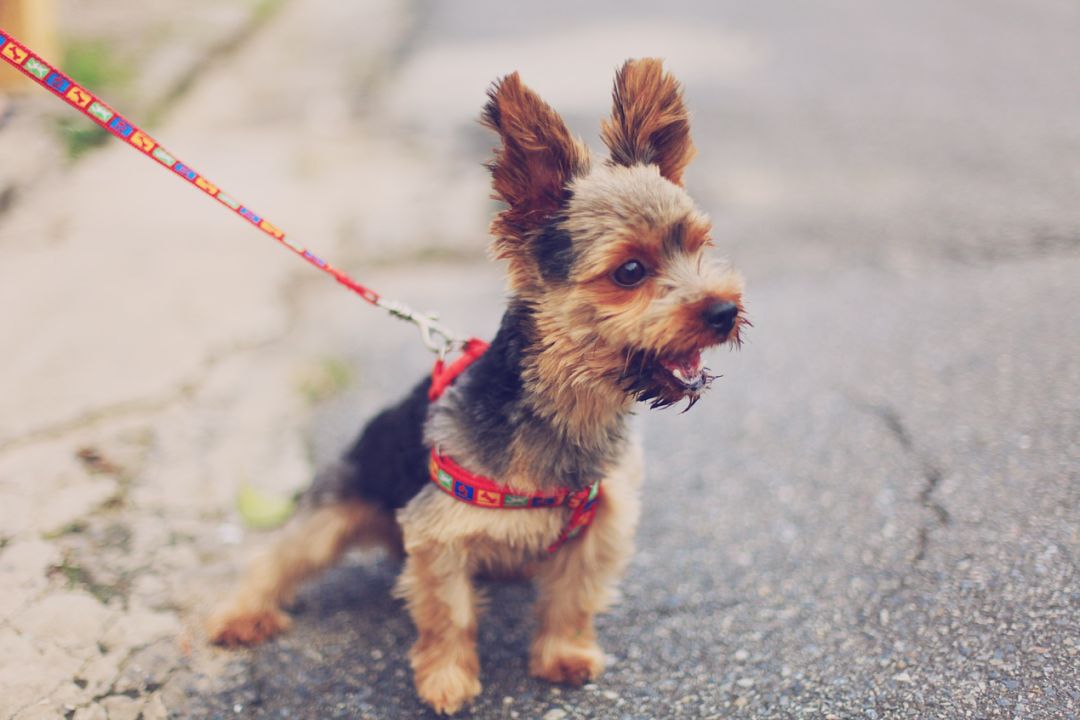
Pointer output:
874, 513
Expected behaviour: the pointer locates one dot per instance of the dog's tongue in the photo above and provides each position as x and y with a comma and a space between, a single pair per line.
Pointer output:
686, 368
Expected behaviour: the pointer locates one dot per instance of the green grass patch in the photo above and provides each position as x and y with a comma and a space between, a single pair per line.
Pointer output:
79, 578
74, 527
323, 379
265, 9
80, 136
94, 65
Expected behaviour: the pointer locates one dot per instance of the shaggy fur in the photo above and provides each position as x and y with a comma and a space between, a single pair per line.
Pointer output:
613, 300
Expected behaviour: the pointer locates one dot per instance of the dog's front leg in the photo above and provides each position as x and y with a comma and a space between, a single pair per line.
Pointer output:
438, 589
579, 581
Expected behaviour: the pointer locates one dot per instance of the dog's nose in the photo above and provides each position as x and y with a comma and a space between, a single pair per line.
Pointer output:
721, 316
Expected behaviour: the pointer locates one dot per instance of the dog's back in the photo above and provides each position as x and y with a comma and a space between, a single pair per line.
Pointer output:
386, 465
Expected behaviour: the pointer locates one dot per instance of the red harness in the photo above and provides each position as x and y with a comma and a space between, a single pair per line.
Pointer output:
481, 491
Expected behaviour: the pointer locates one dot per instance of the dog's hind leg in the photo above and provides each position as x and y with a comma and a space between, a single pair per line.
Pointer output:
312, 541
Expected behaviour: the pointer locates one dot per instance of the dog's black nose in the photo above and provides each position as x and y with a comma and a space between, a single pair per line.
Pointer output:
721, 316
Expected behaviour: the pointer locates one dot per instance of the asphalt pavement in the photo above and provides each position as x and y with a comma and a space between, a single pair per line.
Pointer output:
875, 512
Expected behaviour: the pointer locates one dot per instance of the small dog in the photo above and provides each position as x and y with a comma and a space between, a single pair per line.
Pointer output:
612, 302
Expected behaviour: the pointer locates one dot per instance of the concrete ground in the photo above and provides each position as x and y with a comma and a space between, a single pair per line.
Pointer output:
873, 514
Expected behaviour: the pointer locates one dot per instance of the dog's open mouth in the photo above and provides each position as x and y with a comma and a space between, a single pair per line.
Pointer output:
686, 370
666, 379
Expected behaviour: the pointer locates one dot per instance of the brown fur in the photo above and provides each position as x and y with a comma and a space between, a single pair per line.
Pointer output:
530, 172
649, 123
437, 588
577, 350
573, 390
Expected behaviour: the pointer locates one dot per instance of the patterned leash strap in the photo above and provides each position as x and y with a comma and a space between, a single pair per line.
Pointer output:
436, 337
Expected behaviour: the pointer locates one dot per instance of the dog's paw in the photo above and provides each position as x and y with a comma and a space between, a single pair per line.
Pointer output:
560, 660
233, 628
447, 688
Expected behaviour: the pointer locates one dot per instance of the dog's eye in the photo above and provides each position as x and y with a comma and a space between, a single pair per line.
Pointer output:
629, 274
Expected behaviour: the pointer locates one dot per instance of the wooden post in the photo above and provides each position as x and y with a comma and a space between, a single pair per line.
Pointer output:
34, 23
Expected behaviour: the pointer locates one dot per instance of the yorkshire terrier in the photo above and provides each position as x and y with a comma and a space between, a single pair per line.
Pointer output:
524, 465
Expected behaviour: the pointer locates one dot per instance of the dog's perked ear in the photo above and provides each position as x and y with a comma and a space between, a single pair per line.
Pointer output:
530, 172
649, 124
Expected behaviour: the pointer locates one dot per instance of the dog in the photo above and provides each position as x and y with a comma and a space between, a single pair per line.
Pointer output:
518, 459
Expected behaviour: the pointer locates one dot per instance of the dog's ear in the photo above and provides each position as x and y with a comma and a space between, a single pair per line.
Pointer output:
649, 123
536, 162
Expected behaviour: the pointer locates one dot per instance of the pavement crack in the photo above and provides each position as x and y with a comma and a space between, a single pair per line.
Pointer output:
291, 294
182, 390
931, 475
264, 11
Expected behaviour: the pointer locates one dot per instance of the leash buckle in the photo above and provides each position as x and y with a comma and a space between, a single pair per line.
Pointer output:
436, 337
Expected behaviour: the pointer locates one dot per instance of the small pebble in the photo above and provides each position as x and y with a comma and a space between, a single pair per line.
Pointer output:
555, 714
741, 655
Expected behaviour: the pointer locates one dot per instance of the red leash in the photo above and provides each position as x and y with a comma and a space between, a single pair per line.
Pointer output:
435, 336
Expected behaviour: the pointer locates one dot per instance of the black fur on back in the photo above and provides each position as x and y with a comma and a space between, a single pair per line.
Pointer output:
387, 465
489, 408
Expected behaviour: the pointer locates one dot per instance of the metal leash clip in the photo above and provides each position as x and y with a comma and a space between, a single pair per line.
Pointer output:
436, 337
